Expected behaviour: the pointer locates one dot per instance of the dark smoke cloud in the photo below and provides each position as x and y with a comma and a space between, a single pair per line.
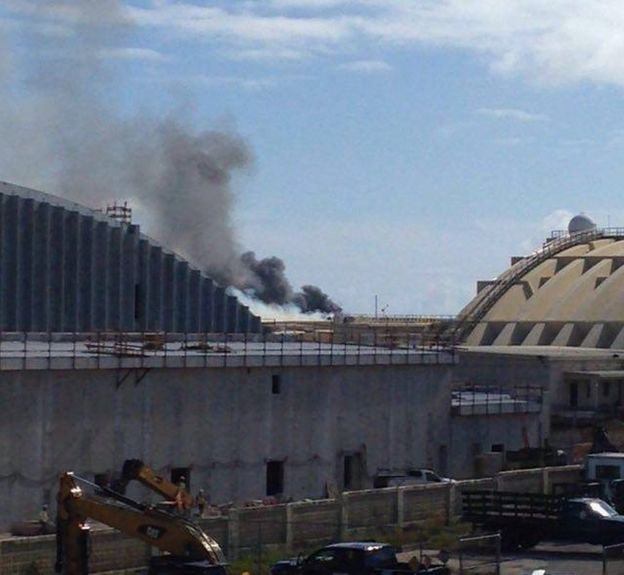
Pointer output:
268, 280
312, 299
269, 284
60, 135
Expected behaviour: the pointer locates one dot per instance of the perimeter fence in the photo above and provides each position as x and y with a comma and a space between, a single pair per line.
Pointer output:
480, 554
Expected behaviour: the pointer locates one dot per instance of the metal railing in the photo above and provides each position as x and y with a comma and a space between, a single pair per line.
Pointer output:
498, 287
146, 350
470, 399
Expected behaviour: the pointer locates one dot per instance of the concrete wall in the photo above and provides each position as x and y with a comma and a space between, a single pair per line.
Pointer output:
222, 424
476, 434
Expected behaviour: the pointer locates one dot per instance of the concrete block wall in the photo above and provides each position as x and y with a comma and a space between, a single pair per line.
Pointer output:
313, 521
526, 480
265, 525
423, 501
371, 507
19, 554
113, 551
564, 474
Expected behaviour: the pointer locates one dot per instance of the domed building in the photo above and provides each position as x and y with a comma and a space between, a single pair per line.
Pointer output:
569, 293
553, 324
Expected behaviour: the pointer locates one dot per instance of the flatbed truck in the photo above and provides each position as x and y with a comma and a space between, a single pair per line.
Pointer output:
525, 519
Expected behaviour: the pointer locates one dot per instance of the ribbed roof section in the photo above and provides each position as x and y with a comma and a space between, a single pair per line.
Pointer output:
573, 297
66, 268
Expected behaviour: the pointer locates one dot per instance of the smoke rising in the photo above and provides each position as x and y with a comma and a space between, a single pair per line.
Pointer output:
60, 135
269, 284
312, 298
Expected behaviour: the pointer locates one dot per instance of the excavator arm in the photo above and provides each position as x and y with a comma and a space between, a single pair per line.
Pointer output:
181, 538
135, 469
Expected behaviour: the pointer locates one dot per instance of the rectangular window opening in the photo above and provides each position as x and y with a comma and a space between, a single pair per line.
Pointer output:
498, 447
274, 477
348, 472
138, 301
276, 384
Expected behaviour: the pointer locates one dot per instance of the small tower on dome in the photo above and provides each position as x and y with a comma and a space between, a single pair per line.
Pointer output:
581, 223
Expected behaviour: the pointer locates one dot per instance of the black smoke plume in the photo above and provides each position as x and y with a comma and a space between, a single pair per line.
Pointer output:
312, 299
267, 281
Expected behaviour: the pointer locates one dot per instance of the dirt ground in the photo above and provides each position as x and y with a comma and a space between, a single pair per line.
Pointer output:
555, 559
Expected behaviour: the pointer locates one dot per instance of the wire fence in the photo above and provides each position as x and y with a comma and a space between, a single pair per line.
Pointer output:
480, 554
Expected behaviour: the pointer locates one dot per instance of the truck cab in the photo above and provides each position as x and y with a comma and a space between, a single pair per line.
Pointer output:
606, 469
590, 520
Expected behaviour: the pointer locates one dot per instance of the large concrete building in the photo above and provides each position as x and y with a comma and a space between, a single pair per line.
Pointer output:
243, 415
255, 419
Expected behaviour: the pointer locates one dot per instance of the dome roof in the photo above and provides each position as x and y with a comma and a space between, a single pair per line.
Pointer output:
571, 293
581, 223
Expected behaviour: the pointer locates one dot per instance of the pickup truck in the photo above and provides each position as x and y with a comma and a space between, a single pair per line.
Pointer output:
353, 558
525, 519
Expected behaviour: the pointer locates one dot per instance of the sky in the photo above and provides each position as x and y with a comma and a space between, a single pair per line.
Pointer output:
402, 149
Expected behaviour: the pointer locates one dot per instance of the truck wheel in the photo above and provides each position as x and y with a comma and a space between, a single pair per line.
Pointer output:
529, 540
509, 541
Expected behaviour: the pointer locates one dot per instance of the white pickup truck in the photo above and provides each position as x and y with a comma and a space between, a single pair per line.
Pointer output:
410, 477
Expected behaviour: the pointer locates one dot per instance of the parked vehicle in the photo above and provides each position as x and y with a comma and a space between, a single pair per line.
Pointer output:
605, 468
410, 477
525, 519
353, 558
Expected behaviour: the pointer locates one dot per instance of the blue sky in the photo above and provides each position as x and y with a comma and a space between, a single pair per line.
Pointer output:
402, 148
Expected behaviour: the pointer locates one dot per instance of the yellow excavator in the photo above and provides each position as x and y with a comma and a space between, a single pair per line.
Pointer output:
135, 469
187, 549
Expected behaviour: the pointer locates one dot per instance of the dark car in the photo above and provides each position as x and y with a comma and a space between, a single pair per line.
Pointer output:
352, 558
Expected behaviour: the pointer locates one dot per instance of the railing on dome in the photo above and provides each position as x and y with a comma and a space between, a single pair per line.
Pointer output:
556, 243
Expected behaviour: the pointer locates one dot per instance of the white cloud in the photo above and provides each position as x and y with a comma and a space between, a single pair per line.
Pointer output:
552, 42
556, 41
366, 66
142, 54
511, 114
271, 54
556, 220
240, 81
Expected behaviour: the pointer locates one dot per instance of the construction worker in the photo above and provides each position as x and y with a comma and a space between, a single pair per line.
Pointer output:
179, 498
44, 519
201, 502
